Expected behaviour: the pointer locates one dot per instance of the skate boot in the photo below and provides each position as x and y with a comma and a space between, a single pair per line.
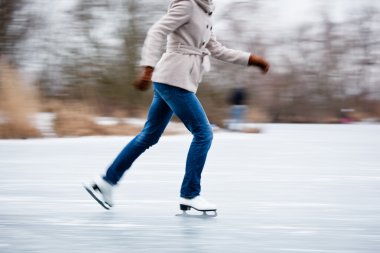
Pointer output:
101, 191
198, 203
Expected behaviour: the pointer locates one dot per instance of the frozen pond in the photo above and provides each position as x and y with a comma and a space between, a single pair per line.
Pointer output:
293, 188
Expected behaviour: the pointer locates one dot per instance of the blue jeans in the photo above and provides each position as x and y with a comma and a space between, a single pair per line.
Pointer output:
166, 101
238, 113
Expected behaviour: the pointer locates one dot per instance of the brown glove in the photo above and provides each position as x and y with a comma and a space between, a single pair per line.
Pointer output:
258, 61
144, 81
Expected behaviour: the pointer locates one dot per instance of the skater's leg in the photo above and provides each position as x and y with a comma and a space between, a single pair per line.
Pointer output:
238, 117
158, 117
188, 108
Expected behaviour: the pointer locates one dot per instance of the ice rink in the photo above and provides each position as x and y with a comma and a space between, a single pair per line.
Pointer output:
292, 188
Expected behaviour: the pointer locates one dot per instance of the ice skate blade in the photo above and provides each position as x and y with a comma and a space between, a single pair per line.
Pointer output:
204, 214
91, 191
187, 208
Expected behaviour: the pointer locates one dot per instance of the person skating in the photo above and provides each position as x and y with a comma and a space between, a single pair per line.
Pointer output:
238, 108
188, 30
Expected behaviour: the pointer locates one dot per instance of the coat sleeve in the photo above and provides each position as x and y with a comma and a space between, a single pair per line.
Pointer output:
222, 53
178, 14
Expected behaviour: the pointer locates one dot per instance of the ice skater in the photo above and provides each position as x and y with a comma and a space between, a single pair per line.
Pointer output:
238, 109
188, 31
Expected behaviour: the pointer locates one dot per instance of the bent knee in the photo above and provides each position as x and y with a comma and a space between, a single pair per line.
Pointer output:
147, 140
204, 134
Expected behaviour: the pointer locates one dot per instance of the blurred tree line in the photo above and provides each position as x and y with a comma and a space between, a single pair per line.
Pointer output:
11, 29
317, 69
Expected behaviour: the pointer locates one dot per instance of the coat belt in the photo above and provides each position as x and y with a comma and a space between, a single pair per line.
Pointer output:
190, 50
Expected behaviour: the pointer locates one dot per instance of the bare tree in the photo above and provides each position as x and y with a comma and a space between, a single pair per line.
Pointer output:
14, 25
101, 68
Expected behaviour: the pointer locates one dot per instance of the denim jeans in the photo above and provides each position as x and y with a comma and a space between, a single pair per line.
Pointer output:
166, 101
238, 113
237, 117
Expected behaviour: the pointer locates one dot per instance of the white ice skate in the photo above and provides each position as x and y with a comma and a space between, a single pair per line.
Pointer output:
198, 203
101, 191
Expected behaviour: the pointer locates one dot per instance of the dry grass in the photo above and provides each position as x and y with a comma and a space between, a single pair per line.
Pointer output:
123, 129
252, 130
51, 105
18, 131
71, 122
17, 103
255, 114
78, 120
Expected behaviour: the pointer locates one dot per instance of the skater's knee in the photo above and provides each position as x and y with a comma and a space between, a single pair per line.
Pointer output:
147, 139
204, 134
209, 134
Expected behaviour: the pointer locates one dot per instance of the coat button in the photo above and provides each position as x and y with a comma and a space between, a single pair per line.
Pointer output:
203, 43
206, 26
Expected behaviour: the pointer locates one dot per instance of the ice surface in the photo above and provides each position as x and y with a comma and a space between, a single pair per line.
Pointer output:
293, 188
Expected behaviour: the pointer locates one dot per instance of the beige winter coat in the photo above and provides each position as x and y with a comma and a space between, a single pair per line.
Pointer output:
188, 30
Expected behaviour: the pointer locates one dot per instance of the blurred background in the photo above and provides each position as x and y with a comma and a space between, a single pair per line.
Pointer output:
70, 62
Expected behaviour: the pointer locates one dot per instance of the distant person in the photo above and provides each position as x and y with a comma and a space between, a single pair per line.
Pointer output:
345, 116
238, 108
189, 31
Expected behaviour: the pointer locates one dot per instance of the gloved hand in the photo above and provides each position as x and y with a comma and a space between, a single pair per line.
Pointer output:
144, 81
258, 61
